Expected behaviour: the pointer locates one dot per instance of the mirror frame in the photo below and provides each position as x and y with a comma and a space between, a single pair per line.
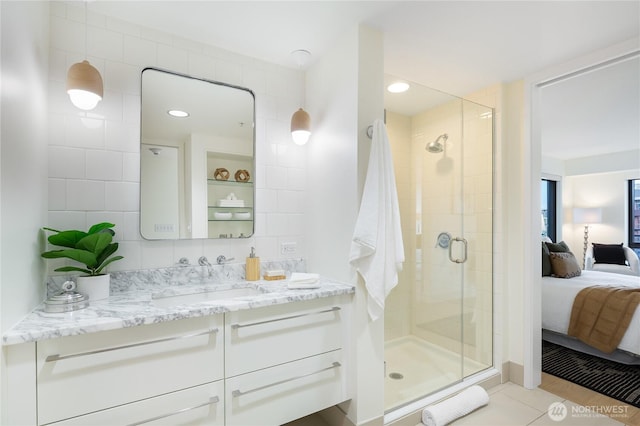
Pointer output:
185, 225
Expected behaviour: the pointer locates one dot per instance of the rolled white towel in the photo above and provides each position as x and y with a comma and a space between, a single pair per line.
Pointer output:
453, 408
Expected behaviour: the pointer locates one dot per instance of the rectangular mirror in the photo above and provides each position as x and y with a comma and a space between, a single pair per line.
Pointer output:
197, 162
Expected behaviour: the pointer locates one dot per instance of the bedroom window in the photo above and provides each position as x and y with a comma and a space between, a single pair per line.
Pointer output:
548, 208
634, 214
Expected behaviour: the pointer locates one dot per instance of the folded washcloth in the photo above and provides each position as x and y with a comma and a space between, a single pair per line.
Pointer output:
303, 280
445, 412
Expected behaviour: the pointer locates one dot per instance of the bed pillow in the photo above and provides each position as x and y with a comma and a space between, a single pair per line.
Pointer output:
560, 247
609, 253
546, 263
564, 264
548, 247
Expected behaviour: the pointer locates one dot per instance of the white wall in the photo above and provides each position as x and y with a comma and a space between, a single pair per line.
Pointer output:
94, 157
607, 191
344, 96
510, 195
23, 140
24, 160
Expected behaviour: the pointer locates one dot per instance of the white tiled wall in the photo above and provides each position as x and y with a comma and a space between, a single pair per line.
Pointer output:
94, 156
459, 180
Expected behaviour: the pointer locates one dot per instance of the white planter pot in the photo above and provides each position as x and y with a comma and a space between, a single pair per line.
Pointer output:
96, 287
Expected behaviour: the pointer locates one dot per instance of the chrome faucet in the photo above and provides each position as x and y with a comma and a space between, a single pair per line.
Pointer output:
221, 260
203, 261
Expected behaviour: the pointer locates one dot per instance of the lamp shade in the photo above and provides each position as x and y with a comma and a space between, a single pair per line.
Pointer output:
300, 127
84, 85
587, 215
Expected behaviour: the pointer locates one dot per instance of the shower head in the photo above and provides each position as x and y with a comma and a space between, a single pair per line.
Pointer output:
435, 146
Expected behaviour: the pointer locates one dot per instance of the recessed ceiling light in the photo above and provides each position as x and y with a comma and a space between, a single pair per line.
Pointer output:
398, 87
177, 113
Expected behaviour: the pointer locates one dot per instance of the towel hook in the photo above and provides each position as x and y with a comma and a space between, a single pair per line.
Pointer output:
370, 132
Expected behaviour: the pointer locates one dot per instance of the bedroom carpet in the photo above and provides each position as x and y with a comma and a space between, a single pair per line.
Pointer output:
618, 381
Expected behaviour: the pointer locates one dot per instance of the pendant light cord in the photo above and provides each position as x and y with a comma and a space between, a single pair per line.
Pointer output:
86, 32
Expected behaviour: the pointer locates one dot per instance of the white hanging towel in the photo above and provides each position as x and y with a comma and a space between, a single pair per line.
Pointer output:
377, 252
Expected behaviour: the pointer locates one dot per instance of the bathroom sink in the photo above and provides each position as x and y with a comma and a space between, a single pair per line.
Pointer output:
205, 296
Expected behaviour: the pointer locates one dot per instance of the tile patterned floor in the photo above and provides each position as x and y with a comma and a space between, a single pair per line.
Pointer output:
513, 405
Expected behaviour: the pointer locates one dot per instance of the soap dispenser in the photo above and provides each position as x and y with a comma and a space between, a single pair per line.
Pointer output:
253, 266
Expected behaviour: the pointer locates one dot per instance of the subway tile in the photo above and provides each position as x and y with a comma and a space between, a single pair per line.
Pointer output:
267, 200
98, 152
121, 136
121, 77
67, 35
122, 27
105, 43
276, 177
290, 202
187, 45
85, 195
57, 194
156, 254
229, 72
131, 111
140, 52
104, 165
83, 132
254, 79
122, 196
296, 179
107, 216
172, 58
201, 66
130, 227
66, 163
131, 167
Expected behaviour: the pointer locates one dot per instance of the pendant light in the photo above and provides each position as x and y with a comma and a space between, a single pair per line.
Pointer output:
84, 82
300, 127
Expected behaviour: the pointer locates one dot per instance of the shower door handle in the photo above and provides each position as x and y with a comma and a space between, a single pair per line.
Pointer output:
464, 258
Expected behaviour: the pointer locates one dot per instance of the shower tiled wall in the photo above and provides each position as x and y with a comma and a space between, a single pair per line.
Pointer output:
446, 192
94, 156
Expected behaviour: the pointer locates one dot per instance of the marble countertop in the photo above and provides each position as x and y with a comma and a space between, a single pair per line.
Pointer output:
141, 307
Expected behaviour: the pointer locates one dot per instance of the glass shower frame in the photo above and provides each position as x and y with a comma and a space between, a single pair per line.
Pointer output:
439, 319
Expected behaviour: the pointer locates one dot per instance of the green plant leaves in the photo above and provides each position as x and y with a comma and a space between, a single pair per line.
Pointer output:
95, 243
91, 248
78, 255
67, 238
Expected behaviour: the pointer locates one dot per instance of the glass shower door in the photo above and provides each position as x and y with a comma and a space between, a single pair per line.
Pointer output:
438, 320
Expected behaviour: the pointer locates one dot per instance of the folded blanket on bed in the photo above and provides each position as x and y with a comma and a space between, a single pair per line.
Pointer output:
601, 314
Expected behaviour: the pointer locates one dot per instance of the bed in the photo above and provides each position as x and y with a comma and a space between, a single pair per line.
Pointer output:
557, 301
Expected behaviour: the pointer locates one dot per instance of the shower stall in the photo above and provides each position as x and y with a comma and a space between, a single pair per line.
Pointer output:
439, 318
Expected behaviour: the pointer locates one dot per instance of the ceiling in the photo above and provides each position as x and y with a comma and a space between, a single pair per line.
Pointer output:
454, 46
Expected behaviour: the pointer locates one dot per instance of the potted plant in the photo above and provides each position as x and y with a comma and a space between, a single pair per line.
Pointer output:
93, 249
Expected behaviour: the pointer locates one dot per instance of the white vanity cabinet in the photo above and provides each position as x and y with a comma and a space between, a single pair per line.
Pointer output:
258, 366
123, 371
284, 361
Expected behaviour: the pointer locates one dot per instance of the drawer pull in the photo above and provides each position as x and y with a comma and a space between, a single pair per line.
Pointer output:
236, 326
238, 392
212, 400
58, 357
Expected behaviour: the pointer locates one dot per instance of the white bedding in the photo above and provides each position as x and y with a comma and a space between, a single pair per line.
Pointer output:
558, 295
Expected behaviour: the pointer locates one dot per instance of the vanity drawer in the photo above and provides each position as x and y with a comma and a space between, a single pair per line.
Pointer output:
262, 337
82, 374
279, 394
202, 405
